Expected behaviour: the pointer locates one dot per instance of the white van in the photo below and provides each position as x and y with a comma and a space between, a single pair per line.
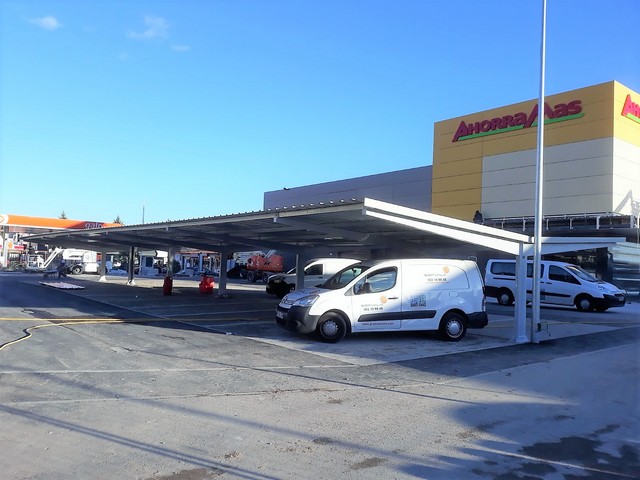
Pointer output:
390, 295
560, 284
315, 272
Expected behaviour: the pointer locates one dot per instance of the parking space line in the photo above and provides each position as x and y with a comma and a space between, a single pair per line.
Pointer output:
216, 313
238, 324
173, 370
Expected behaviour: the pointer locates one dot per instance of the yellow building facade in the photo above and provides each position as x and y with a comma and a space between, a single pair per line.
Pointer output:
486, 161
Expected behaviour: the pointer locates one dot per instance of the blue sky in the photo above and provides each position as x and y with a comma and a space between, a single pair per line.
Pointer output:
195, 108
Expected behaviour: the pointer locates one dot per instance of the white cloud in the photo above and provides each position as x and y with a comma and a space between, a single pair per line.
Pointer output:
180, 48
48, 23
157, 27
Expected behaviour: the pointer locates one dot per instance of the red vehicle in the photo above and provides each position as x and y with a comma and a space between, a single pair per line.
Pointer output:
262, 266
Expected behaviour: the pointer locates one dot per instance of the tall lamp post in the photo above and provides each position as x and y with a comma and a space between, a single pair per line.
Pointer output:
537, 248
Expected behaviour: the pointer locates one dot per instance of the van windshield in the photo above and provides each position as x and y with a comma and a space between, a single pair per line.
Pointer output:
344, 276
581, 274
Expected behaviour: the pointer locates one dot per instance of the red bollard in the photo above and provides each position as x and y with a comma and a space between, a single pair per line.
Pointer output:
206, 284
167, 285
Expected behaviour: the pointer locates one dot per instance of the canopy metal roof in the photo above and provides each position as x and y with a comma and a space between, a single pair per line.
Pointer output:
334, 226
340, 226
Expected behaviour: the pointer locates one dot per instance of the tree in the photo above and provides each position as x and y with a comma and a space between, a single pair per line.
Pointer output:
63, 215
117, 219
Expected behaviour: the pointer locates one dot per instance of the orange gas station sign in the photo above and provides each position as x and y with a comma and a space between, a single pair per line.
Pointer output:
52, 223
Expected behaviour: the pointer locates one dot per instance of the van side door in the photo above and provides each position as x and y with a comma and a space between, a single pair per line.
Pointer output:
375, 301
560, 287
314, 275
429, 290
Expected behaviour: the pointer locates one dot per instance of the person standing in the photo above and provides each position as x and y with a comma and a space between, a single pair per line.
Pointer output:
62, 269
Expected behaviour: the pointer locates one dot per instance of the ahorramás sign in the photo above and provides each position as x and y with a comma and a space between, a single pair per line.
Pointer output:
631, 109
558, 113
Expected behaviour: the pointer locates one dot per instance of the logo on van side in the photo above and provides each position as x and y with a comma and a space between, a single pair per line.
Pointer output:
559, 113
419, 301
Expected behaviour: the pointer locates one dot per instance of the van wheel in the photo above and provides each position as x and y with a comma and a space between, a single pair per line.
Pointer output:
584, 303
505, 297
76, 270
453, 327
331, 328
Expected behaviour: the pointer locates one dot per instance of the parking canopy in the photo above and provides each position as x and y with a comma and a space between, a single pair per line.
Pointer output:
338, 226
341, 226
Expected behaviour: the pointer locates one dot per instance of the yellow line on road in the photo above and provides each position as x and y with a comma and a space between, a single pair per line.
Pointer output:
61, 322
28, 334
31, 319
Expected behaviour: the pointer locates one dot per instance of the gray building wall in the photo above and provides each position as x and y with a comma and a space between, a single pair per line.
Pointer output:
409, 188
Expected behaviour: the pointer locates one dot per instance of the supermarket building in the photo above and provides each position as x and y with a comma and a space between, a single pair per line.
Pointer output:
486, 161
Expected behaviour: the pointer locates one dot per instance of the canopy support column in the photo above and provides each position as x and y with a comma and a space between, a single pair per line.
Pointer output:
102, 269
521, 296
222, 279
132, 257
301, 260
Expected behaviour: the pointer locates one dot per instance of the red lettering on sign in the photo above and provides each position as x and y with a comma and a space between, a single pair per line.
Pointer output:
533, 116
474, 128
496, 125
574, 107
630, 107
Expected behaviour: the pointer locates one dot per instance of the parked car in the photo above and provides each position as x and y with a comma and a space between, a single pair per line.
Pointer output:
561, 283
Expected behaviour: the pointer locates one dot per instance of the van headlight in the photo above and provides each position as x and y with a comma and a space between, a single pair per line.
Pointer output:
306, 301
606, 289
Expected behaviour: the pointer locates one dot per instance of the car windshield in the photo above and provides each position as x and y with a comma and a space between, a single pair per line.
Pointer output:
581, 274
344, 276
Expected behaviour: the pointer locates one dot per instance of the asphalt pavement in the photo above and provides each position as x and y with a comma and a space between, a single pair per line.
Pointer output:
116, 381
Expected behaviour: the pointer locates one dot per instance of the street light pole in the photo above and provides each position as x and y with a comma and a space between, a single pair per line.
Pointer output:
537, 250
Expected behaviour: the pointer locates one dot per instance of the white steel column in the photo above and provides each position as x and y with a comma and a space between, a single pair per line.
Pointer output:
222, 279
301, 261
521, 296
535, 312
102, 269
5, 249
